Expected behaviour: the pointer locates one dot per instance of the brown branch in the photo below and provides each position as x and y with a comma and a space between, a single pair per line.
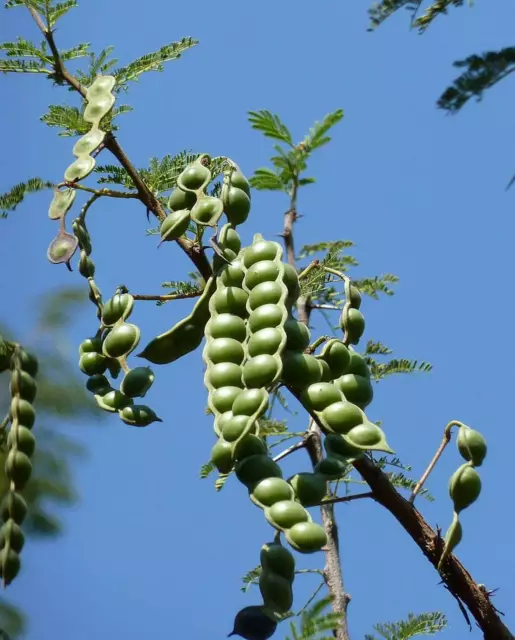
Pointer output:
290, 450
166, 297
192, 250
356, 496
454, 575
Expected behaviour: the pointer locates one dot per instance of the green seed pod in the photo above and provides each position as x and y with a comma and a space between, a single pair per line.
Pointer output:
175, 225
222, 399
261, 371
12, 534
297, 335
18, 468
338, 447
253, 623
265, 341
236, 197
86, 267
207, 211
92, 363
300, 369
119, 307
286, 513
25, 361
113, 401
358, 365
121, 340
232, 300
332, 468
327, 374
88, 143
276, 592
307, 537
235, 428
267, 292
291, 280
355, 297
9, 565
341, 417
367, 436
23, 385
275, 558
222, 456
91, 345
248, 402
271, 490
267, 316
337, 356
261, 272
233, 274
352, 324
226, 325
137, 382
225, 350
356, 389
471, 445
24, 411
253, 469
138, 415
21, 438
82, 235
320, 395
61, 203
79, 169
180, 199
13, 507
464, 487
62, 248
114, 367
249, 445
310, 488
452, 539
185, 336
196, 176
260, 250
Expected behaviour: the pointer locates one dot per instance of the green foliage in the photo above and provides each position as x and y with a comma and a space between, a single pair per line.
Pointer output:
424, 624
12, 621
400, 481
481, 72
250, 578
11, 199
50, 10
70, 119
315, 621
272, 427
380, 370
380, 11
99, 64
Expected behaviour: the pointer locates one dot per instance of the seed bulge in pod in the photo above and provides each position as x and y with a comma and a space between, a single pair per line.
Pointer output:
24, 411
253, 469
249, 401
276, 592
320, 395
286, 513
119, 307
121, 340
225, 350
231, 300
333, 468
13, 506
356, 389
194, 177
98, 384
464, 487
265, 271
86, 267
327, 374
272, 490
137, 382
297, 335
28, 362
260, 371
249, 445
231, 240
300, 369
91, 345
232, 275
277, 559
236, 205
9, 565
471, 445
337, 357
207, 210
341, 417
253, 623
11, 532
335, 445
225, 374
180, 199
269, 315
18, 468
307, 537
91, 363
310, 488
23, 385
265, 293
291, 280
138, 415
113, 401
234, 428
365, 435
221, 456
260, 251
226, 325
265, 341
23, 439
358, 365
222, 399
174, 225
354, 326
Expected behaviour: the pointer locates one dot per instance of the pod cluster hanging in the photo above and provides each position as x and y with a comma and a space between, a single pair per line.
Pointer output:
21, 445
464, 484
100, 101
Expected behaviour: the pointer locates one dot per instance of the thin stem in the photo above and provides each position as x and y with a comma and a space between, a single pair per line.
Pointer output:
356, 496
313, 596
313, 347
327, 307
309, 269
111, 193
289, 450
164, 298
445, 441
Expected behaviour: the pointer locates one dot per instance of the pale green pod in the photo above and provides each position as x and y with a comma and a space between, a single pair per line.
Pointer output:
61, 203
452, 539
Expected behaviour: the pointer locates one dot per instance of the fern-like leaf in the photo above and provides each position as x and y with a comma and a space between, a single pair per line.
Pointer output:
440, 7
11, 199
59, 10
272, 427
424, 624
79, 51
401, 481
250, 578
267, 179
380, 11
22, 66
270, 126
317, 136
481, 72
314, 621
206, 470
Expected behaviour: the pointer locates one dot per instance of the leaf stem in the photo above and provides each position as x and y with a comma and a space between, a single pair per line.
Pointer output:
166, 297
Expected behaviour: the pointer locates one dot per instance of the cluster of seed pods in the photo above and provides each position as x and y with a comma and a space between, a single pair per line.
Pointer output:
464, 484
109, 350
18, 467
189, 201
100, 101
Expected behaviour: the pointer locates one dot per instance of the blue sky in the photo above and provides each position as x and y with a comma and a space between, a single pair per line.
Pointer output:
152, 551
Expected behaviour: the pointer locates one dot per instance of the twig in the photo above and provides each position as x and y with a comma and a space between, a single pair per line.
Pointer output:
164, 298
311, 598
440, 450
326, 307
314, 346
356, 496
111, 193
289, 450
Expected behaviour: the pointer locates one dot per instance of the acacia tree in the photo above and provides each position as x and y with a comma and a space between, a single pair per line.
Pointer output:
253, 308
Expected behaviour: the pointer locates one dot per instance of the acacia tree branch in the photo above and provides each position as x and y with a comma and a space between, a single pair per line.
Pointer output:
192, 250
333, 576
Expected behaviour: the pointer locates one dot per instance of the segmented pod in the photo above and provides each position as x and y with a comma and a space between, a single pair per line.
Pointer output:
254, 623
61, 203
18, 468
352, 321
276, 577
235, 196
174, 225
